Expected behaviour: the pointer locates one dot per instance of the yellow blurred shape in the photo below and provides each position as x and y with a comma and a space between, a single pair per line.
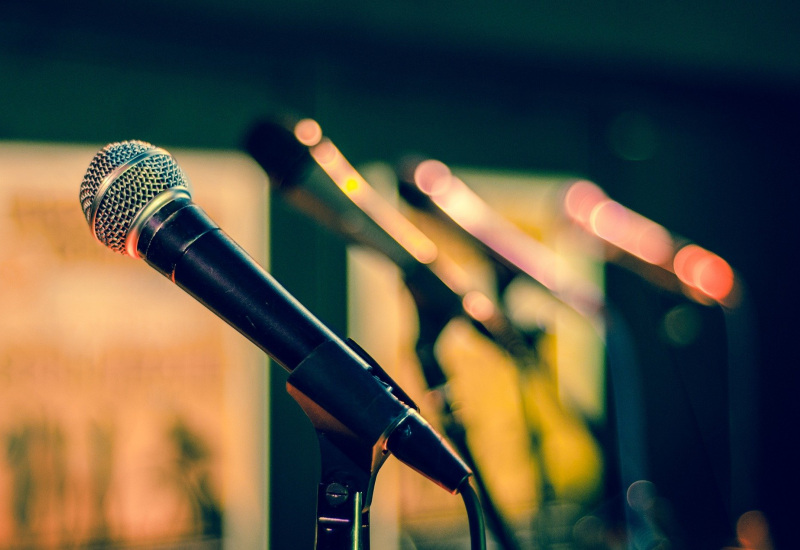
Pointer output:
502, 409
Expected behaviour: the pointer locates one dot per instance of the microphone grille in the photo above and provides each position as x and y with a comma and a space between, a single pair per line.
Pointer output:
121, 180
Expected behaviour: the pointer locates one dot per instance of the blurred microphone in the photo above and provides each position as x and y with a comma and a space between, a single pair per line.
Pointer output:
316, 178
137, 201
310, 172
647, 248
632, 241
431, 186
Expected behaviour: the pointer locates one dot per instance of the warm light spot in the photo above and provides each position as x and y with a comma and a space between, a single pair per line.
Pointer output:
463, 206
507, 241
630, 231
654, 244
610, 221
705, 271
478, 306
752, 530
358, 190
685, 262
351, 185
432, 177
421, 247
308, 132
580, 200
715, 277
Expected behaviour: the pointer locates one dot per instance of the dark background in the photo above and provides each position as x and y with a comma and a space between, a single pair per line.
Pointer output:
686, 113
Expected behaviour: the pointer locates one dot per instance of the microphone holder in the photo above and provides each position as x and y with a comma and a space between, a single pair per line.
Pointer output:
347, 477
348, 468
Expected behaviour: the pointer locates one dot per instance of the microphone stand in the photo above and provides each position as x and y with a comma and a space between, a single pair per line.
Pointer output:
347, 477
348, 470
348, 466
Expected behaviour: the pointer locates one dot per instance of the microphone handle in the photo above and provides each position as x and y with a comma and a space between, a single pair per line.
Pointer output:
183, 243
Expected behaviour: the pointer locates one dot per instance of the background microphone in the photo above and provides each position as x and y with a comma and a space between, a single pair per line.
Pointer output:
313, 175
430, 186
632, 241
137, 201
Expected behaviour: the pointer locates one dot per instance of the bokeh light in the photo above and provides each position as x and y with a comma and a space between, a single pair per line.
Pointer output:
308, 132
705, 271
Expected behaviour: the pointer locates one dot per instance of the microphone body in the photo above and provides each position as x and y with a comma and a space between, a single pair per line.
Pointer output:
184, 244
177, 238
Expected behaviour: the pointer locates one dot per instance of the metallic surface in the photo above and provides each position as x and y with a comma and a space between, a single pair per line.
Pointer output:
121, 180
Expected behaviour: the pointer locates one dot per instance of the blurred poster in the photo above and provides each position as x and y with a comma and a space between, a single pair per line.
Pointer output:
129, 414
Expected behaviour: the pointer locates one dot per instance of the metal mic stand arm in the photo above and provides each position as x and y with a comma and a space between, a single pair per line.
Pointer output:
348, 470
348, 466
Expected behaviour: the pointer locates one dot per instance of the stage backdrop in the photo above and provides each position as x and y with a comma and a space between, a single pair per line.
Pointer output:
129, 414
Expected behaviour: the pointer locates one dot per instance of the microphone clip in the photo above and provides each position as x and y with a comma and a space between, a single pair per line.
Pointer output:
348, 464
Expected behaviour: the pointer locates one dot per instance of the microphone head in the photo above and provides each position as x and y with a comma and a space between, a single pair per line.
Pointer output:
120, 184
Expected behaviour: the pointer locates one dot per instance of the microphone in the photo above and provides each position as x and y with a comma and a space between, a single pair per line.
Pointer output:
632, 241
648, 249
137, 201
429, 185
313, 175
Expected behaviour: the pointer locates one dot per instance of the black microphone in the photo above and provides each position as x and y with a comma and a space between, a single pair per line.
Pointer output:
137, 201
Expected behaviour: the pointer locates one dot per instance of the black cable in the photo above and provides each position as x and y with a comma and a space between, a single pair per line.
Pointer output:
477, 531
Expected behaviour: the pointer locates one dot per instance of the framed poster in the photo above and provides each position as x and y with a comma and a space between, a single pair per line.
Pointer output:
129, 414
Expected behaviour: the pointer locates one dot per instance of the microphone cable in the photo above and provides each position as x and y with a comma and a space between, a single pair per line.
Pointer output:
477, 530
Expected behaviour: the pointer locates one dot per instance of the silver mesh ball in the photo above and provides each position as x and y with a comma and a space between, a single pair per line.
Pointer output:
129, 192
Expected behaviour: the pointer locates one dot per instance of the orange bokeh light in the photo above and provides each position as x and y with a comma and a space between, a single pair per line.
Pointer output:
363, 195
308, 132
631, 232
469, 211
752, 530
702, 271
325, 153
705, 271
654, 244
609, 220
